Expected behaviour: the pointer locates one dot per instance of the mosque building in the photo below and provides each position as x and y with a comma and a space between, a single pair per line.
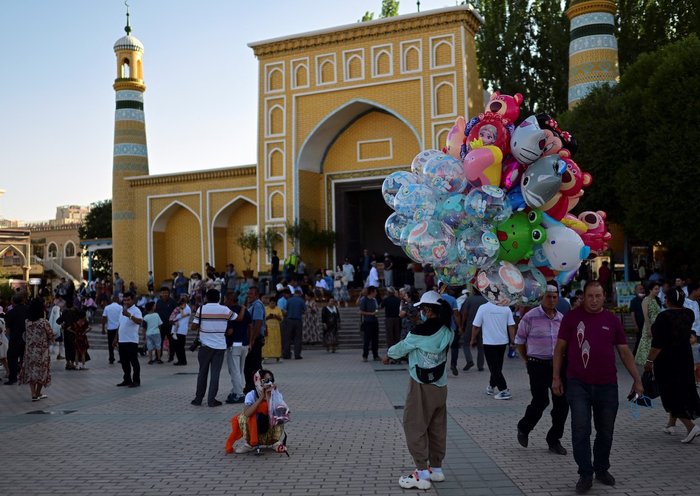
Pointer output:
339, 109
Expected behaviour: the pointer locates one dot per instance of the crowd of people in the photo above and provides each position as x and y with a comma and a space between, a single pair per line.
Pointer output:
567, 343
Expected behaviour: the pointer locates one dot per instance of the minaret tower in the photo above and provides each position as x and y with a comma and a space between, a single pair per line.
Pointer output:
130, 151
593, 57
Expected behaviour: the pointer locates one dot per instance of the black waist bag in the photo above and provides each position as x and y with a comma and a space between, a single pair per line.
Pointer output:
428, 376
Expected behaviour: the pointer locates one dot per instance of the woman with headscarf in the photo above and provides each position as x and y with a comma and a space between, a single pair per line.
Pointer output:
671, 359
651, 307
36, 366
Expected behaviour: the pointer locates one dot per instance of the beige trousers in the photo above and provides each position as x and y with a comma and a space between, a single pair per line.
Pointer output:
425, 423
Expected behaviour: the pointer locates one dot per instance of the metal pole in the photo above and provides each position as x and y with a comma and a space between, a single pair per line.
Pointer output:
90, 255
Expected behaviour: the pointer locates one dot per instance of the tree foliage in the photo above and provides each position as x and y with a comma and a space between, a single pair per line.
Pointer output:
390, 8
523, 48
637, 140
645, 25
98, 225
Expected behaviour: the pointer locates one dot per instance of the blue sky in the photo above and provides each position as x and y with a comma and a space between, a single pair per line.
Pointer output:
57, 101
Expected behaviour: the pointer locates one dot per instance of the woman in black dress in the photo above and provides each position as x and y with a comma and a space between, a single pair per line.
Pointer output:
672, 360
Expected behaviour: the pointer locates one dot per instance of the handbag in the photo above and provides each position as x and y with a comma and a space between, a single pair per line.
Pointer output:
651, 387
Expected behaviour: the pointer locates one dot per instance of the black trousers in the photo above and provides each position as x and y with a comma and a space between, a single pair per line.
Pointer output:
111, 336
494, 354
253, 363
69, 345
393, 331
370, 337
165, 334
179, 345
129, 356
210, 361
15, 356
291, 335
540, 373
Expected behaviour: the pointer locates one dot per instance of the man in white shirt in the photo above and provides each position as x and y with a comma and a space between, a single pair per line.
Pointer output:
498, 327
129, 325
211, 320
691, 302
373, 278
321, 286
181, 322
110, 319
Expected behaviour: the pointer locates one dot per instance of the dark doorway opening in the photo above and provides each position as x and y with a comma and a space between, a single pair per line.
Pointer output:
360, 213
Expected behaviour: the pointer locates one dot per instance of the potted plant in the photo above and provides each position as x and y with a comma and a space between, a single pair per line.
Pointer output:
249, 241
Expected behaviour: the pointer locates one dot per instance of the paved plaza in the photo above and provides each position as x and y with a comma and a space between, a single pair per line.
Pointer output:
345, 437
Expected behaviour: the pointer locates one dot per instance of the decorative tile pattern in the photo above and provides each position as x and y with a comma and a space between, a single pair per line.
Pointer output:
129, 115
122, 149
594, 18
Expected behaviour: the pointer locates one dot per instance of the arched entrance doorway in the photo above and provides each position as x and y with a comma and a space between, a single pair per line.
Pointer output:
227, 224
176, 242
355, 148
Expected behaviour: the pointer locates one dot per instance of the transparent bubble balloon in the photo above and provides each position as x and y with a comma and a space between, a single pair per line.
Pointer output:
535, 284
487, 205
431, 242
394, 181
403, 240
422, 158
445, 173
455, 275
502, 283
478, 246
452, 212
393, 226
416, 201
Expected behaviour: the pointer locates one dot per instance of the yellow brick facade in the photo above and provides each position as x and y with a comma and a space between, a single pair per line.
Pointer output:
349, 103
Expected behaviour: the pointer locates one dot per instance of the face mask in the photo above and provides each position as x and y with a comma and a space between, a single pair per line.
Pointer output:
641, 295
423, 317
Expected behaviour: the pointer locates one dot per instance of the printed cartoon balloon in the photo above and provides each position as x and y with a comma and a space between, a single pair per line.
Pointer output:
487, 205
415, 201
394, 181
535, 284
557, 142
477, 246
455, 275
508, 107
596, 236
455, 139
563, 249
527, 142
431, 242
393, 226
542, 180
519, 234
422, 158
490, 130
482, 165
572, 183
502, 283
445, 174
452, 212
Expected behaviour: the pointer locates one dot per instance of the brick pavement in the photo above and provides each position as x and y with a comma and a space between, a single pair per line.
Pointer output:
345, 438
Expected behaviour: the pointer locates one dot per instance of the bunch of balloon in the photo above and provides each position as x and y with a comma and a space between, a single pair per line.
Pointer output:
493, 208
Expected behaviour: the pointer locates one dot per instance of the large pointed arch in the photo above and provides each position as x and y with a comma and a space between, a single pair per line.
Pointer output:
319, 140
175, 250
225, 225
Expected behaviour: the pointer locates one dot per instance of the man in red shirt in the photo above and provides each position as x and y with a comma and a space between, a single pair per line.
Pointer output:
589, 335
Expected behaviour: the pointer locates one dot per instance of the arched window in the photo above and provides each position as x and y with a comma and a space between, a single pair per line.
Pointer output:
69, 249
125, 69
53, 250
